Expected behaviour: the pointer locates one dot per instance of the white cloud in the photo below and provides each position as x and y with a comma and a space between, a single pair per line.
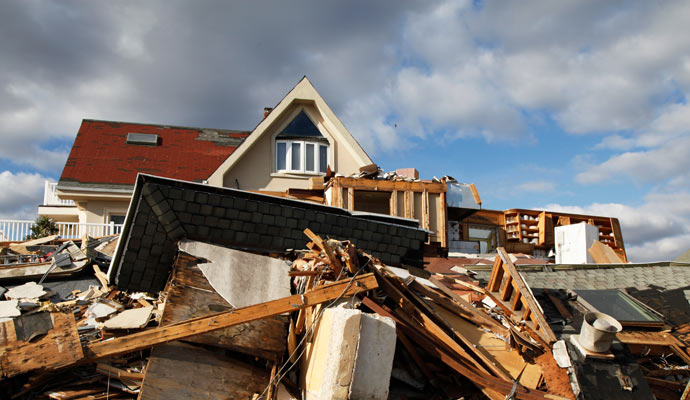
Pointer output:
21, 195
653, 166
536, 186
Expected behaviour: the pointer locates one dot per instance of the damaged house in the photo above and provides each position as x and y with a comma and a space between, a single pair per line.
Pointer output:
282, 263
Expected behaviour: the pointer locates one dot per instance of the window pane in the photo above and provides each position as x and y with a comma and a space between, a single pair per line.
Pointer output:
323, 158
281, 156
296, 157
309, 164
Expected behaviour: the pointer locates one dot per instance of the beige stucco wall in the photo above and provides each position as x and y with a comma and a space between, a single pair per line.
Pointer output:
256, 169
97, 211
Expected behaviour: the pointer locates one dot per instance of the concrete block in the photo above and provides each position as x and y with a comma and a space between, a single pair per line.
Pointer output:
213, 201
374, 362
328, 366
252, 206
218, 212
351, 356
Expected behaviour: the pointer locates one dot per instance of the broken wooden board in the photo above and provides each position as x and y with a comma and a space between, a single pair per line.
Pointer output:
59, 347
165, 334
507, 287
493, 348
603, 254
189, 295
182, 371
21, 246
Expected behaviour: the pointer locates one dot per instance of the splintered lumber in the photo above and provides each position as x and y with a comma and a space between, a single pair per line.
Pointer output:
489, 384
479, 317
146, 339
507, 287
182, 371
494, 349
190, 295
59, 347
335, 262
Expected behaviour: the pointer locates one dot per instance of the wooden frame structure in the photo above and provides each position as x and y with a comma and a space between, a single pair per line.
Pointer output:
537, 228
510, 292
423, 201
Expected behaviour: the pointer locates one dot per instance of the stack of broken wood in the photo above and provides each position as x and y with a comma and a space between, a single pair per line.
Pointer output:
454, 338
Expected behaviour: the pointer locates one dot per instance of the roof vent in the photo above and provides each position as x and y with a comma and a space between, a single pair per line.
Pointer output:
146, 139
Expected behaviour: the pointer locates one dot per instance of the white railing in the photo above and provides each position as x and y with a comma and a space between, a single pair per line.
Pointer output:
16, 230
50, 197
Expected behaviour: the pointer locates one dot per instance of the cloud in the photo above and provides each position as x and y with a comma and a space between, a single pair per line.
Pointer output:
536, 186
656, 230
21, 195
653, 166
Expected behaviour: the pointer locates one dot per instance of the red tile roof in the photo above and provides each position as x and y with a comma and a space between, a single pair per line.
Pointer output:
100, 154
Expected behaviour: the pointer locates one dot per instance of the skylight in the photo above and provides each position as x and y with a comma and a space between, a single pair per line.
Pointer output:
146, 139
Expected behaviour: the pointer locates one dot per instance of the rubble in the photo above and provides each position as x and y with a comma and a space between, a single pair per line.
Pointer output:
323, 316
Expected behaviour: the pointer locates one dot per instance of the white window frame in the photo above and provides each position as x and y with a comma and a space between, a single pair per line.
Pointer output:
303, 157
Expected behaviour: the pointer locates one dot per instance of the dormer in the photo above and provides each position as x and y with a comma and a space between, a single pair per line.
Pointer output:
298, 139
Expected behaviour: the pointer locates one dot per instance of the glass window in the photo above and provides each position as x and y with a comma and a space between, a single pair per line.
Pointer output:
281, 156
296, 157
301, 156
309, 161
323, 158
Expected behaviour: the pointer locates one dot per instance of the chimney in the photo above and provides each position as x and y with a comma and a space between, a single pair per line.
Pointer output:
267, 110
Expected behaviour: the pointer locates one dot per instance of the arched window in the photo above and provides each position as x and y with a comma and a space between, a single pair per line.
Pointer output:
301, 148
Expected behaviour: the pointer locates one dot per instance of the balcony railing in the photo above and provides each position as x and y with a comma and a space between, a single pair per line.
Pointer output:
50, 197
16, 230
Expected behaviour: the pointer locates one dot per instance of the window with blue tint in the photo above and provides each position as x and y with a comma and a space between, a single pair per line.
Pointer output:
309, 160
281, 156
323, 158
296, 156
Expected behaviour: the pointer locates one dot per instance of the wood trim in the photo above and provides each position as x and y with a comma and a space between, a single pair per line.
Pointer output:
146, 339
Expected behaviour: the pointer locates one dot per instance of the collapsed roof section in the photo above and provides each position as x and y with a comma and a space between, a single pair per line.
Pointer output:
163, 211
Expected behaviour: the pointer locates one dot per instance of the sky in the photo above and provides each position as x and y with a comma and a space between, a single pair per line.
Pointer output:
577, 106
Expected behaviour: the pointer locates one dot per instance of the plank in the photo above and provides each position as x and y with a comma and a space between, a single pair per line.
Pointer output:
481, 379
649, 338
486, 320
494, 350
384, 185
146, 339
181, 371
59, 347
190, 295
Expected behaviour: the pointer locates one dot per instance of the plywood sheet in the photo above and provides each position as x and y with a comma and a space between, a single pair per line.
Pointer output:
58, 348
181, 371
191, 296
603, 254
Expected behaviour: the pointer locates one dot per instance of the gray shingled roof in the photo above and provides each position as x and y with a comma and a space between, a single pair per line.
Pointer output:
640, 276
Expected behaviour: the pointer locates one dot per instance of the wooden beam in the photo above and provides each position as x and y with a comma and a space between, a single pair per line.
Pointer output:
350, 199
389, 186
146, 339
475, 194
443, 221
335, 262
